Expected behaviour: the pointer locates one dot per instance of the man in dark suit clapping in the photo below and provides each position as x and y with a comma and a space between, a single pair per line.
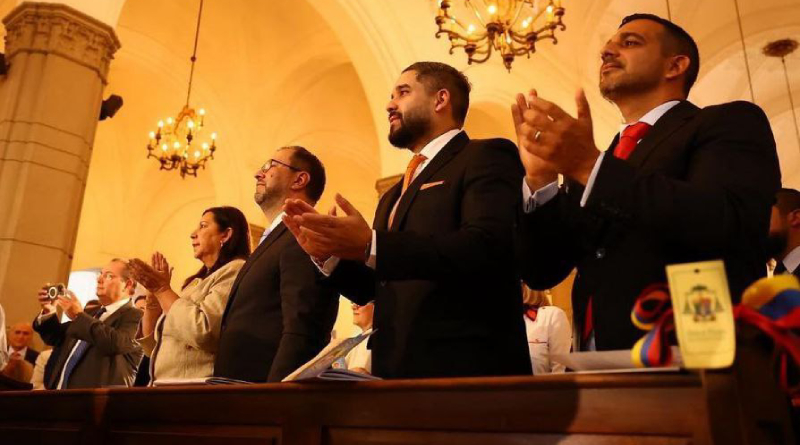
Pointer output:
438, 258
678, 184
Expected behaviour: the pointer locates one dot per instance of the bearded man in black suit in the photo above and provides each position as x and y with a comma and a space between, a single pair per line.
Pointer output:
784, 232
438, 260
678, 184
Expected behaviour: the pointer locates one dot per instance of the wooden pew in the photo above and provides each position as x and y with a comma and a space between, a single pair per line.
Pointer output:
643, 408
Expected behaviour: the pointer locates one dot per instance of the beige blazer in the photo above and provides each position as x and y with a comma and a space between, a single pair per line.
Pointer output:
185, 340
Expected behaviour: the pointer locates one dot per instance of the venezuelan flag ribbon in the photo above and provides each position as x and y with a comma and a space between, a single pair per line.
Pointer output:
652, 312
773, 306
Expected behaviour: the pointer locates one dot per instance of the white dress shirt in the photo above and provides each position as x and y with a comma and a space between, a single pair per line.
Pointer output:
792, 260
110, 309
278, 219
430, 150
532, 200
22, 351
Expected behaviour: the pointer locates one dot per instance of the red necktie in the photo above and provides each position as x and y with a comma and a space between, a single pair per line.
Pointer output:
631, 136
407, 178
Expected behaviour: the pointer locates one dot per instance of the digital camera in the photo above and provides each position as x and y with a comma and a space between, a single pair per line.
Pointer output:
55, 290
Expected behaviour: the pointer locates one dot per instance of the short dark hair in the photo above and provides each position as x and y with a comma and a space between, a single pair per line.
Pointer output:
237, 247
677, 42
438, 76
787, 200
309, 163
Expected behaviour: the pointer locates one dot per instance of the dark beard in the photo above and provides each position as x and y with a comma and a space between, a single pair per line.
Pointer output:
269, 198
626, 86
776, 245
412, 127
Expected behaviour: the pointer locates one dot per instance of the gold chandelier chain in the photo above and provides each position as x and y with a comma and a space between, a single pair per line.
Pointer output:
194, 52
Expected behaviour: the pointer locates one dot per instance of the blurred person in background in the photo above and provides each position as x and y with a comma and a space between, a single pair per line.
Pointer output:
548, 331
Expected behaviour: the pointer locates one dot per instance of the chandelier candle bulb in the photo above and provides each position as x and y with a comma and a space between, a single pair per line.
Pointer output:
512, 29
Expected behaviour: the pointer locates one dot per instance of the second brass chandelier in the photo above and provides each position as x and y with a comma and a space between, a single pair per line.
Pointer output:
509, 27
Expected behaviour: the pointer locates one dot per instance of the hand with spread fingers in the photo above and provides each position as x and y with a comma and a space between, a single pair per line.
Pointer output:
538, 173
322, 236
557, 142
154, 277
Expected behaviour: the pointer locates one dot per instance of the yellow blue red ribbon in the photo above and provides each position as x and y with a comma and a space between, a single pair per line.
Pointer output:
652, 312
773, 306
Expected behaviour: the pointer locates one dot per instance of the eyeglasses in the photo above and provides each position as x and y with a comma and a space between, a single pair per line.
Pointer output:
274, 163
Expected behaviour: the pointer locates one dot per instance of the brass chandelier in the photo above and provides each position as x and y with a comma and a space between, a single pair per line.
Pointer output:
177, 143
511, 27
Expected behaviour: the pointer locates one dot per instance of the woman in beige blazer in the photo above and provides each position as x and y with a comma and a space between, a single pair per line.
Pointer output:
180, 331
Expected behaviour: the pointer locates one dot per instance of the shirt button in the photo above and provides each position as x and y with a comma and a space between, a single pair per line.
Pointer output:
600, 254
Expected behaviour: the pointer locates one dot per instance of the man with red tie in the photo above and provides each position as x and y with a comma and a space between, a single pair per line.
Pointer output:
678, 184
438, 260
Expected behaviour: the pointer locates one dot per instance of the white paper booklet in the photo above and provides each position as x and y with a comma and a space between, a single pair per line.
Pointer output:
200, 381
318, 368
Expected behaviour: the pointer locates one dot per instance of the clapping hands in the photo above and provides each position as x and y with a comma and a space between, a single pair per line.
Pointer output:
156, 276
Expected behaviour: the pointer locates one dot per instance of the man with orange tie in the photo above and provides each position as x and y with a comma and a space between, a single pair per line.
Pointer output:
678, 184
438, 260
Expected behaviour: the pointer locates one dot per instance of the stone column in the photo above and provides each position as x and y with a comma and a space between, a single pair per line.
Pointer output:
58, 60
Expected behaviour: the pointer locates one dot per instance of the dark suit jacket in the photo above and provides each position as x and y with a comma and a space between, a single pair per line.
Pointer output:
31, 355
699, 186
112, 356
278, 316
447, 300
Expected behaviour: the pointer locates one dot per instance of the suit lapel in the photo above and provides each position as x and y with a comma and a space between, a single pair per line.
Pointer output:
385, 206
440, 160
61, 361
118, 313
274, 235
68, 345
670, 122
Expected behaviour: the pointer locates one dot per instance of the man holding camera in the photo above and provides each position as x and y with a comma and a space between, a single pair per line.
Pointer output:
95, 349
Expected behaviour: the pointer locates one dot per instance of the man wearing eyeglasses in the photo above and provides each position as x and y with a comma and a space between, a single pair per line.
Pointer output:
279, 315
96, 348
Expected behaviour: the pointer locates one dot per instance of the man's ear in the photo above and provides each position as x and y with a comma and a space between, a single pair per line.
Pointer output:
677, 66
301, 181
793, 219
441, 100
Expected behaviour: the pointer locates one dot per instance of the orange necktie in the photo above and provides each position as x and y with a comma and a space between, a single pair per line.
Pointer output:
410, 170
407, 178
